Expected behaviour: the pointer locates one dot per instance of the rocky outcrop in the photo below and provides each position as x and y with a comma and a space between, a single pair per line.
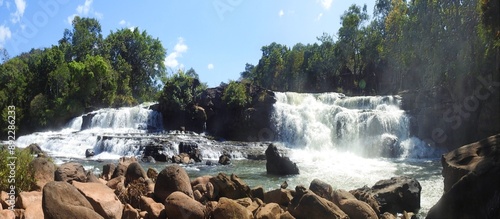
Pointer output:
171, 179
278, 165
43, 171
102, 199
306, 204
61, 200
471, 182
31, 202
230, 187
398, 194
155, 210
191, 149
69, 172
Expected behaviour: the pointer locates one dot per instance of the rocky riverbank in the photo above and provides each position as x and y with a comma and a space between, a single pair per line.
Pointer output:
129, 191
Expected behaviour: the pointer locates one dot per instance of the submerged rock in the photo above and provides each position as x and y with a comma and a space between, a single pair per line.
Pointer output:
472, 183
278, 165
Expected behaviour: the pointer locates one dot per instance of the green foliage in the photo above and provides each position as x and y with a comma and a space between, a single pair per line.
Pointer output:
22, 175
180, 91
236, 95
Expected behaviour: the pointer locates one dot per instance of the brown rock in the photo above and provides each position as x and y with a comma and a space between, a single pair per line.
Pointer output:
102, 199
113, 183
364, 194
286, 215
231, 187
172, 178
62, 200
179, 205
322, 189
357, 209
398, 194
134, 172
69, 172
130, 212
269, 211
107, 171
306, 204
281, 196
7, 214
258, 192
227, 208
202, 180
4, 199
43, 172
126, 160
277, 164
387, 215
152, 174
92, 178
34, 211
25, 199
155, 210
120, 170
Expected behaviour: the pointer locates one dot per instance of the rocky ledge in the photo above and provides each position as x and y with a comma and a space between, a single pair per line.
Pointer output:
129, 191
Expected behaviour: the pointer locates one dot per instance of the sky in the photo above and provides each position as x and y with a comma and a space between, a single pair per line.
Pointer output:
214, 37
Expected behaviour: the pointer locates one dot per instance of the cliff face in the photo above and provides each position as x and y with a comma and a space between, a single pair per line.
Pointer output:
452, 116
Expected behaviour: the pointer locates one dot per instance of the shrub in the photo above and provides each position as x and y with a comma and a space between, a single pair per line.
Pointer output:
24, 179
236, 95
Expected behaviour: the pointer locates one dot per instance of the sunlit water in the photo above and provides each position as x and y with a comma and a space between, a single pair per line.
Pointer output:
331, 137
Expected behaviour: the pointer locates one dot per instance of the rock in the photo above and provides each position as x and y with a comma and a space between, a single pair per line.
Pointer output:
69, 172
202, 180
102, 199
155, 210
130, 212
198, 196
352, 207
251, 205
185, 158
284, 185
176, 159
477, 193
92, 178
62, 200
7, 214
107, 171
286, 215
134, 172
227, 208
191, 149
179, 205
113, 183
398, 194
306, 204
387, 215
4, 200
258, 192
364, 194
152, 174
120, 170
127, 160
34, 149
32, 203
231, 187
269, 211
322, 189
282, 197
278, 165
89, 153
224, 159
172, 178
43, 171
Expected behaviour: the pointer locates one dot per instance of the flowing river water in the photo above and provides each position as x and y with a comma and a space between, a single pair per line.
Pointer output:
348, 142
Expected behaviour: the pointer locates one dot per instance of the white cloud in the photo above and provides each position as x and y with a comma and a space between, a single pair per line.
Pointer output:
320, 15
85, 10
210, 66
20, 7
179, 48
281, 13
1, 3
122, 23
5, 35
326, 4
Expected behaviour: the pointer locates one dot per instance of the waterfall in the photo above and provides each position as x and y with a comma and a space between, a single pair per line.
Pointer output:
370, 126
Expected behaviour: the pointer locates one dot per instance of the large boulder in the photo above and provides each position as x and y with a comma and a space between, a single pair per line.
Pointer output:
230, 187
352, 206
477, 193
69, 172
32, 203
179, 205
306, 204
171, 179
398, 194
269, 211
61, 200
134, 172
322, 189
7, 214
191, 149
155, 210
278, 165
102, 199
130, 212
227, 208
282, 197
43, 171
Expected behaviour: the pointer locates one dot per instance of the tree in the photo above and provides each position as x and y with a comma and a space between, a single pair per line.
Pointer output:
236, 95
85, 38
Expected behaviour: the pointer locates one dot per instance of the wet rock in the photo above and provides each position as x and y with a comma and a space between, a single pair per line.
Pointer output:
61, 200
306, 204
43, 171
231, 187
227, 208
89, 153
102, 199
172, 178
322, 189
477, 193
398, 194
69, 172
278, 165
134, 172
224, 159
179, 205
34, 149
191, 149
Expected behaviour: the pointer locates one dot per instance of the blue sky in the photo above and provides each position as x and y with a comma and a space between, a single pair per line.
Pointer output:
215, 37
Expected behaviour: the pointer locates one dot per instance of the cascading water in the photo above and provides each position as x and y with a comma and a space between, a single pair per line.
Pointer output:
368, 126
